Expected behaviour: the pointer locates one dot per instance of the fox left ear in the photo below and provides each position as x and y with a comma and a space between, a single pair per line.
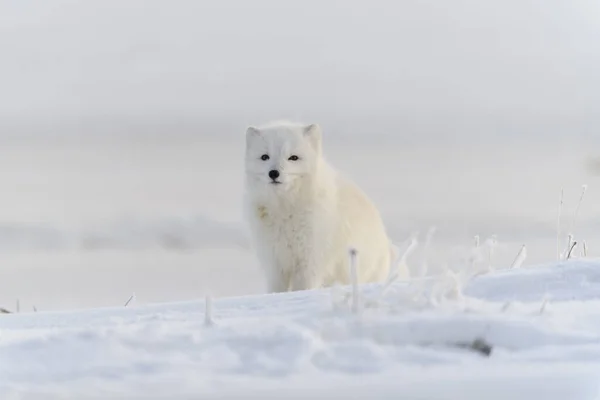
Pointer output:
252, 131
313, 133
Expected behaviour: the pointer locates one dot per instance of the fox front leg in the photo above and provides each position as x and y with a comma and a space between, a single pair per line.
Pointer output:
306, 279
277, 281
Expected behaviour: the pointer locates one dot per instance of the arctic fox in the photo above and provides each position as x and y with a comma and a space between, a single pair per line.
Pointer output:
304, 216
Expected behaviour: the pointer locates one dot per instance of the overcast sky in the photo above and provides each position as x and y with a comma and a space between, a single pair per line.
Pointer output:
530, 60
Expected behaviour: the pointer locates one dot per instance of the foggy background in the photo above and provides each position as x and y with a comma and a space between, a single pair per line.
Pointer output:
122, 122
441, 68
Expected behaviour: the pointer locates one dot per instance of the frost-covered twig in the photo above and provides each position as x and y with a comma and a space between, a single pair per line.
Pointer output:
491, 242
569, 246
560, 205
424, 266
411, 247
208, 320
456, 286
474, 256
545, 302
354, 279
506, 306
394, 271
574, 220
571, 250
521, 256
129, 299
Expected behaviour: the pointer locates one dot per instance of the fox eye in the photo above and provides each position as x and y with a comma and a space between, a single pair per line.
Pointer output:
264, 157
294, 158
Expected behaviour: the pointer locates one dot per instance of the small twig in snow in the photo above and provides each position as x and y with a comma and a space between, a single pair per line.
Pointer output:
208, 320
521, 256
571, 250
506, 306
491, 242
569, 246
411, 247
129, 300
394, 272
456, 289
544, 304
424, 266
354, 279
583, 190
474, 256
562, 193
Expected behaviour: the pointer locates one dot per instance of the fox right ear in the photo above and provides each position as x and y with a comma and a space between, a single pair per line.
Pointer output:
313, 133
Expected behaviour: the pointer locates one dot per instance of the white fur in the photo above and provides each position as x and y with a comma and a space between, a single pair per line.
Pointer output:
303, 227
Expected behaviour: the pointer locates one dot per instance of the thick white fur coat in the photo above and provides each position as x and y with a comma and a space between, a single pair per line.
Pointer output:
305, 217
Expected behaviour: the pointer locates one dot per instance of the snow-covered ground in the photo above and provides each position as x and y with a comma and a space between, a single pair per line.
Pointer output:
543, 324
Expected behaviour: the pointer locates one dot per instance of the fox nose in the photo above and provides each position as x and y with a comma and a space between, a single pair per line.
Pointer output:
273, 174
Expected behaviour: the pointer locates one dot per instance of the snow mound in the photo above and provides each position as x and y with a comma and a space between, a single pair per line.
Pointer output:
313, 343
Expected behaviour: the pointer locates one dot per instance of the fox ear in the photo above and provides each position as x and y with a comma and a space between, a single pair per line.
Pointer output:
252, 132
313, 133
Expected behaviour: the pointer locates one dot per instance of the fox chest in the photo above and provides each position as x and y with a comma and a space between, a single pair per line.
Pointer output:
289, 235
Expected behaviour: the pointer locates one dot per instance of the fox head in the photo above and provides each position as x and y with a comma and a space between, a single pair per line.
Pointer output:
281, 156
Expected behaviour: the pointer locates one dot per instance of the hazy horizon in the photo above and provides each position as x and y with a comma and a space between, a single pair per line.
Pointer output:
456, 69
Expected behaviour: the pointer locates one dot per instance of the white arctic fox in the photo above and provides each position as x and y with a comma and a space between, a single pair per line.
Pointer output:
304, 217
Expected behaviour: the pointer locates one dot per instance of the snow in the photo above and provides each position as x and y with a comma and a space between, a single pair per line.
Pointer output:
312, 343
